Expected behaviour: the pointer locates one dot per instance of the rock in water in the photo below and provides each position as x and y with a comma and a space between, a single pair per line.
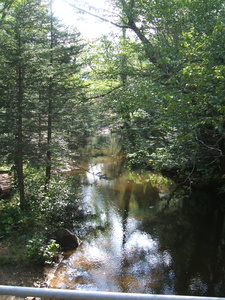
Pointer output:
66, 239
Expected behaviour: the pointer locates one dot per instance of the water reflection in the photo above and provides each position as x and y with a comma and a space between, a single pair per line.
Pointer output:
134, 246
120, 256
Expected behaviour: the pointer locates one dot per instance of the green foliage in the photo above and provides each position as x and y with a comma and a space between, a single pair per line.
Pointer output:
104, 144
47, 210
40, 83
138, 159
55, 206
155, 179
10, 217
39, 252
171, 103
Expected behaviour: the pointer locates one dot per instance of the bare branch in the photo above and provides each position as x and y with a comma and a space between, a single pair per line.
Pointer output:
103, 95
211, 147
150, 51
97, 16
149, 48
188, 178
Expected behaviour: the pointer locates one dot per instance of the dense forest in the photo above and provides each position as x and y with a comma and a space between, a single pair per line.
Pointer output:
159, 83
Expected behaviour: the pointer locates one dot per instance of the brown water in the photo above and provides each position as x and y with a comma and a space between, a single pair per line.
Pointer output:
134, 245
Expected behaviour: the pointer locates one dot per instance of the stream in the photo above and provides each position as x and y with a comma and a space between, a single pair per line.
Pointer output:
134, 244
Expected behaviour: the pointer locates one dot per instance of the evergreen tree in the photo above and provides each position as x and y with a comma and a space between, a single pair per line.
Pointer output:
20, 34
64, 87
40, 86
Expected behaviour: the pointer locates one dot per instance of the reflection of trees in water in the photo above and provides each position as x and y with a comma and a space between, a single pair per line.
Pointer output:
146, 198
205, 269
189, 256
126, 202
193, 238
112, 166
136, 273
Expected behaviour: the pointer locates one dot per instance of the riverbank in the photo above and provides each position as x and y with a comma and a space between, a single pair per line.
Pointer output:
15, 273
19, 275
16, 267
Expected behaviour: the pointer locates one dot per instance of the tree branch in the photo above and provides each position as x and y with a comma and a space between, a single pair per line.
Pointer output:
97, 16
149, 48
103, 95
5, 8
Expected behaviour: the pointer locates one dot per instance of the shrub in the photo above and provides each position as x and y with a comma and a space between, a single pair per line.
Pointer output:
40, 252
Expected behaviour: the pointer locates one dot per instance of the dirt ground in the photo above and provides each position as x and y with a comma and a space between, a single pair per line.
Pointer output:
16, 275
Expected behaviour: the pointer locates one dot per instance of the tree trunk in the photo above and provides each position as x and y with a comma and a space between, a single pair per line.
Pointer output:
123, 75
150, 51
222, 156
49, 133
19, 139
49, 137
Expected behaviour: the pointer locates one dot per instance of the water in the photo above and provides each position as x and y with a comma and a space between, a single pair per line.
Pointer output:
135, 245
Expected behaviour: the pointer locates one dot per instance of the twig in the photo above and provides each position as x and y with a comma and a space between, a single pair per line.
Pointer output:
180, 184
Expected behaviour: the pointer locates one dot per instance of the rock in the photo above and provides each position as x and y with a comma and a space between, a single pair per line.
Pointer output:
66, 239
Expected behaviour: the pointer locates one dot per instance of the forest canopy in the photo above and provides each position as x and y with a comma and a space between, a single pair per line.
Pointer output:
160, 80
171, 71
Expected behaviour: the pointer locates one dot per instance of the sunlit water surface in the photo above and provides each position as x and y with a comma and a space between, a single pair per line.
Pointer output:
136, 246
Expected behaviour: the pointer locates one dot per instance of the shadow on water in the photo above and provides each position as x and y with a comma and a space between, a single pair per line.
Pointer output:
134, 245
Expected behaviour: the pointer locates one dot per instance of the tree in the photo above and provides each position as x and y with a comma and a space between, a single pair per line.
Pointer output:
64, 87
20, 33
4, 8
40, 84
174, 96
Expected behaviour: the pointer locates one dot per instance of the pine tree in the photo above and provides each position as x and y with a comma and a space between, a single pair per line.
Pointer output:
40, 85
21, 34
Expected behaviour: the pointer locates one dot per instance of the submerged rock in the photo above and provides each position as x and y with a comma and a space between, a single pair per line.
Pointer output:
66, 239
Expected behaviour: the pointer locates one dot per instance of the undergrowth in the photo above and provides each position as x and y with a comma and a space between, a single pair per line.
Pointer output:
28, 234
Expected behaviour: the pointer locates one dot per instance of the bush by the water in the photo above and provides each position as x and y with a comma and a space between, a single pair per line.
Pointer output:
49, 208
